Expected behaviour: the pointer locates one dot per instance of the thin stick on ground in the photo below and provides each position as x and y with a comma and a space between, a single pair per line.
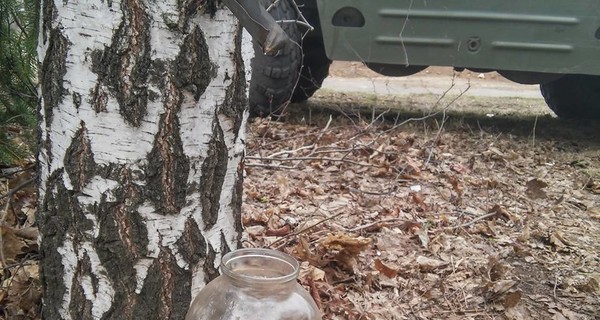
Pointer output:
305, 230
472, 222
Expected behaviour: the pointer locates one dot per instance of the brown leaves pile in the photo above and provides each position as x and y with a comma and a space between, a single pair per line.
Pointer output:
398, 223
20, 289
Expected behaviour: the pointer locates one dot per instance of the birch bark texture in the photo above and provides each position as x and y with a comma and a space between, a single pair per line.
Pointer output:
143, 112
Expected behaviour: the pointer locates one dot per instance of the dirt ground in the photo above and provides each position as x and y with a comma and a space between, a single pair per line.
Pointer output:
430, 208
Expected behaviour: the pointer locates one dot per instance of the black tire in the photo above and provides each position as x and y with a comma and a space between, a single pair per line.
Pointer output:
573, 96
315, 68
315, 64
274, 77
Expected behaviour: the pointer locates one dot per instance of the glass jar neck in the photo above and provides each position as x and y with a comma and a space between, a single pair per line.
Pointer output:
260, 269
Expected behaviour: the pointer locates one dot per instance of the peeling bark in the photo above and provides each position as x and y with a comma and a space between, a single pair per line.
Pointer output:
142, 138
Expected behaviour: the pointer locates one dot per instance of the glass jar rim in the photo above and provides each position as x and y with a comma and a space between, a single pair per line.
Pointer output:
274, 257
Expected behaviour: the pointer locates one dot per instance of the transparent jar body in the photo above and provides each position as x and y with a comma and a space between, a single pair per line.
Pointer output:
255, 284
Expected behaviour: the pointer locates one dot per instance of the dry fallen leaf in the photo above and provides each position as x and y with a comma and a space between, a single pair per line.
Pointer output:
385, 270
25, 292
499, 289
303, 252
428, 264
345, 249
591, 285
496, 269
344, 242
417, 197
12, 245
502, 213
423, 237
512, 299
279, 232
535, 189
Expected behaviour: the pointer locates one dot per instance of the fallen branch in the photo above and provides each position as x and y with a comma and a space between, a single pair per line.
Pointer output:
375, 223
472, 222
268, 166
315, 159
16, 189
293, 234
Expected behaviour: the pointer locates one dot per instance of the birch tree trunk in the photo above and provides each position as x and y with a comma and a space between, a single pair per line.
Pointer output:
142, 138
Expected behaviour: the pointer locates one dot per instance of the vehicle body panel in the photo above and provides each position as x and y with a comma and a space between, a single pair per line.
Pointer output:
550, 36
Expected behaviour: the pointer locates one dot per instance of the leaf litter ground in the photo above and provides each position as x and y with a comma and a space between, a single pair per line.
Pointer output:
450, 216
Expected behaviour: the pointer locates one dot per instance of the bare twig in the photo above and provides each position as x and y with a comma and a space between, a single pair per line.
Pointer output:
268, 166
11, 171
315, 159
293, 234
485, 216
272, 5
373, 193
555, 285
323, 131
533, 133
16, 189
280, 153
302, 23
372, 224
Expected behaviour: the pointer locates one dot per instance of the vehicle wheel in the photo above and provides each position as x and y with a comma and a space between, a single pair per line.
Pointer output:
274, 77
315, 64
315, 68
573, 96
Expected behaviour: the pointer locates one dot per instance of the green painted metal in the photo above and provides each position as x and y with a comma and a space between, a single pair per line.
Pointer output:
552, 36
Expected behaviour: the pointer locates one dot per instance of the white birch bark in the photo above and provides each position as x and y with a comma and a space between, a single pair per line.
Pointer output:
142, 138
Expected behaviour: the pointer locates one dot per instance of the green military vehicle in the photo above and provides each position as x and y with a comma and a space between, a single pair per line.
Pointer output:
553, 43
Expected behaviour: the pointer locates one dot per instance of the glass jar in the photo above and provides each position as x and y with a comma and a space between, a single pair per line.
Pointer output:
255, 284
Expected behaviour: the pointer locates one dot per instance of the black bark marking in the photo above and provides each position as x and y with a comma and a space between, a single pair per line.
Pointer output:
168, 166
98, 98
236, 199
81, 307
236, 101
210, 272
59, 214
130, 50
79, 160
120, 217
116, 257
48, 15
76, 100
122, 237
213, 171
167, 290
192, 245
192, 67
53, 229
53, 72
187, 10
211, 7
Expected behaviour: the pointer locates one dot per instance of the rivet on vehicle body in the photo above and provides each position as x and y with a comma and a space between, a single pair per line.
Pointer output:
474, 44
